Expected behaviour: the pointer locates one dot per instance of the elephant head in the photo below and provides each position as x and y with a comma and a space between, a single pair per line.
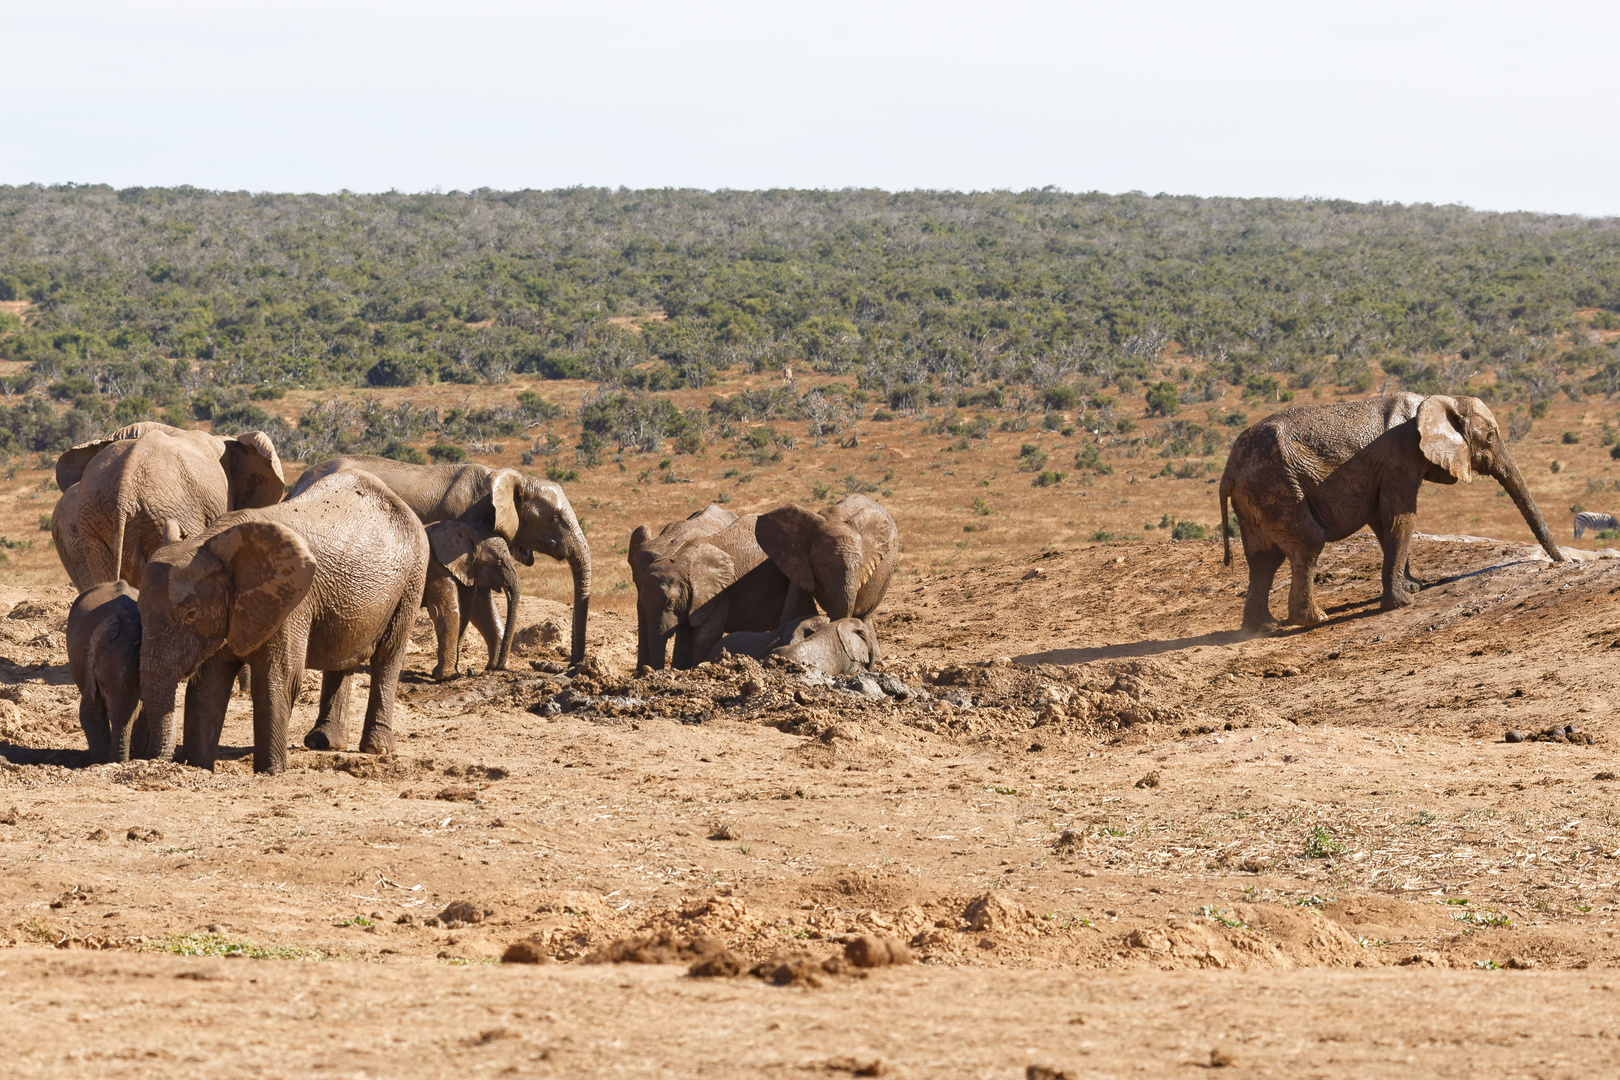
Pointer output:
1458, 436
226, 590
837, 648
535, 516
844, 556
475, 559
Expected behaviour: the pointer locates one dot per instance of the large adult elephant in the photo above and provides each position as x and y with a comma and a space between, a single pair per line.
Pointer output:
149, 477
715, 584
530, 515
330, 579
645, 550
1310, 475
65, 538
843, 556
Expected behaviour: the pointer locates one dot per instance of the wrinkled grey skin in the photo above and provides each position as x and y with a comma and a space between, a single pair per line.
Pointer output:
843, 556
1313, 474
472, 565
842, 647
715, 584
65, 537
104, 657
531, 515
330, 579
147, 478
646, 549
759, 643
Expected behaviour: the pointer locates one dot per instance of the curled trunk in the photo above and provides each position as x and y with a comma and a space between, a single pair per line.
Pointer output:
1512, 482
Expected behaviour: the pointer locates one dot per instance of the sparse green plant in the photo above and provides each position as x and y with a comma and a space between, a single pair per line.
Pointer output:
1320, 844
211, 944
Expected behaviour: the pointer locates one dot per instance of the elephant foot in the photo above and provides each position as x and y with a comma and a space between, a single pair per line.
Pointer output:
443, 674
1389, 602
377, 742
1309, 618
1259, 629
326, 737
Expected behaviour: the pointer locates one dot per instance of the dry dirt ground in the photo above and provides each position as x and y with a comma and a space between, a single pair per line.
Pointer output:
1116, 840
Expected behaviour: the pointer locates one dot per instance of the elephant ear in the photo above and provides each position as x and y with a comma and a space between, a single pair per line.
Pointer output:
453, 544
878, 537
709, 571
271, 570
785, 535
1439, 439
638, 540
255, 471
71, 465
854, 641
503, 489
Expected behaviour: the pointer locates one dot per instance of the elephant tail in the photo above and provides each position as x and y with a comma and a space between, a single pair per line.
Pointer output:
1226, 529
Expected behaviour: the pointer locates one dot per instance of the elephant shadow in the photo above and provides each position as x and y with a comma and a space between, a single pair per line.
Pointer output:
81, 759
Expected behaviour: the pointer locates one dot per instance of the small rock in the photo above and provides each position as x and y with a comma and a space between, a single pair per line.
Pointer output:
869, 951
1045, 1072
527, 951
1221, 1058
1151, 780
1513, 736
722, 965
752, 688
144, 836
1519, 963
457, 793
725, 832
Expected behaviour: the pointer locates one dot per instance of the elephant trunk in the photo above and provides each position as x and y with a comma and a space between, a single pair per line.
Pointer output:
157, 707
510, 629
578, 554
1512, 481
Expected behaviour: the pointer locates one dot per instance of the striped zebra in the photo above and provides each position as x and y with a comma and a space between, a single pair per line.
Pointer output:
1599, 522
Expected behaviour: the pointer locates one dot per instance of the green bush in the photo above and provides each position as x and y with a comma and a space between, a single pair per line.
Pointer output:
1031, 458
1163, 400
1571, 438
404, 452
1049, 478
1187, 530
447, 453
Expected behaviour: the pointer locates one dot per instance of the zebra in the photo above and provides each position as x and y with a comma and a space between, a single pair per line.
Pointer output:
1588, 520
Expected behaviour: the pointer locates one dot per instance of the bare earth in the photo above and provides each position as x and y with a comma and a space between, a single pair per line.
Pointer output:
1117, 839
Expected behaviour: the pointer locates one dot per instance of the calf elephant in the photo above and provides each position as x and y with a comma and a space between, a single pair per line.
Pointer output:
838, 648
530, 515
843, 556
473, 566
104, 657
330, 579
148, 477
714, 584
1313, 474
759, 643
646, 549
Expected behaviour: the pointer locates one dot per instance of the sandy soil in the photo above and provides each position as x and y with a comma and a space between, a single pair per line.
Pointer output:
1114, 837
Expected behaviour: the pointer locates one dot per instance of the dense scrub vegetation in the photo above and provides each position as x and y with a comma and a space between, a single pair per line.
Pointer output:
1072, 311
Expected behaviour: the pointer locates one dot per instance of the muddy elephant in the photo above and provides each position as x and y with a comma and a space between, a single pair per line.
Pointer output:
104, 658
646, 549
330, 579
842, 647
146, 477
759, 643
843, 556
473, 566
712, 585
1313, 474
531, 515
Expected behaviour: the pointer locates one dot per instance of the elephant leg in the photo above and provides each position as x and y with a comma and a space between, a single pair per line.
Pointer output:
681, 655
208, 694
276, 679
331, 730
93, 719
486, 618
1262, 571
1396, 541
1303, 609
872, 640
444, 609
377, 737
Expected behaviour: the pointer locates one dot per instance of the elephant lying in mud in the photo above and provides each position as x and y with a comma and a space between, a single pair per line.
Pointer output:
832, 647
531, 515
104, 658
1310, 475
330, 579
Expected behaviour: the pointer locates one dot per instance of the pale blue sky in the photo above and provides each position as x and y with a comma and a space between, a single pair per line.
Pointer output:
1496, 105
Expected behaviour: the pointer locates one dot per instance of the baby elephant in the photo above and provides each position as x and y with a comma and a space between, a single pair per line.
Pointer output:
759, 643
838, 648
104, 656
468, 560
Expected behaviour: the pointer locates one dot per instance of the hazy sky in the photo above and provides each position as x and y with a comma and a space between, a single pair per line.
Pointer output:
1496, 105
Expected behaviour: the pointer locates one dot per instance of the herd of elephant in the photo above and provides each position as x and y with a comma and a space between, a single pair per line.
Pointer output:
195, 563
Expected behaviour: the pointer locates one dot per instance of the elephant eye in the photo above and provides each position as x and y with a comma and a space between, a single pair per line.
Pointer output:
188, 615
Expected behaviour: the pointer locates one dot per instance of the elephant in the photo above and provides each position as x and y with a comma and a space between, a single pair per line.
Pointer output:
104, 657
1313, 474
842, 647
466, 562
646, 549
1586, 519
135, 482
529, 514
65, 537
759, 643
712, 585
330, 579
843, 556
